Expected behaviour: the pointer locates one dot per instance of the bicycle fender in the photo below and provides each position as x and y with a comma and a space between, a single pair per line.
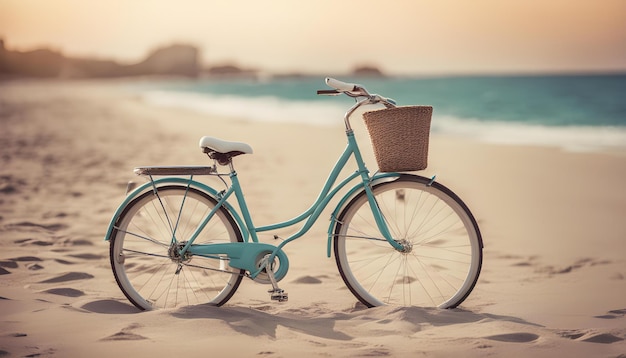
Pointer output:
172, 180
348, 197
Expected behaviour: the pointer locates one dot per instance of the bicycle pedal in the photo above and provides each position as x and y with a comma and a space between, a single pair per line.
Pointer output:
279, 295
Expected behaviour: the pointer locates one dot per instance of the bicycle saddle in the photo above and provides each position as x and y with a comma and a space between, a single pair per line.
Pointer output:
222, 150
223, 146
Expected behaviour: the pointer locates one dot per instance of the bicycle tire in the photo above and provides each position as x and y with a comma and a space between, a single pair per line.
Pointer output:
443, 263
148, 272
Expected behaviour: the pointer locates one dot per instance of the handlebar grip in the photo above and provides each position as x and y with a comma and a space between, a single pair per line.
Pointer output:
342, 86
328, 92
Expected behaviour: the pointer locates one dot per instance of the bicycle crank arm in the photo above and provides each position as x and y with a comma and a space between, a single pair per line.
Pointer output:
276, 293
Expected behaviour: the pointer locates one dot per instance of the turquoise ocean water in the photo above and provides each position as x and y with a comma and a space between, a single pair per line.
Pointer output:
574, 112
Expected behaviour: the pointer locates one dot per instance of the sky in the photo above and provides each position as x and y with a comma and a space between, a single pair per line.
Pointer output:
330, 36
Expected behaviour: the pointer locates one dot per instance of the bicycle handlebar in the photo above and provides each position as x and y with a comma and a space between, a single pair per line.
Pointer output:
349, 89
355, 91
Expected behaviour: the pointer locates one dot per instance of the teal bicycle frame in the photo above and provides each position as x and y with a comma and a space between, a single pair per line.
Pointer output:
244, 255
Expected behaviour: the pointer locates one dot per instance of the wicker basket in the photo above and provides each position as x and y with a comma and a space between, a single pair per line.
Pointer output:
400, 137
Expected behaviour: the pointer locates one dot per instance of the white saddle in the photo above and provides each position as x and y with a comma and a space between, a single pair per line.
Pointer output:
222, 146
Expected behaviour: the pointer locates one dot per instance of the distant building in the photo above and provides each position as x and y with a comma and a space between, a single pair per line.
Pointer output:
177, 60
367, 71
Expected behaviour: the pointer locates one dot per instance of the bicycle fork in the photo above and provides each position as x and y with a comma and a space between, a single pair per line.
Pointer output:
381, 222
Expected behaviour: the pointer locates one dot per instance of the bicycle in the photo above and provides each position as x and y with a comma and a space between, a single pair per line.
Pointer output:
397, 238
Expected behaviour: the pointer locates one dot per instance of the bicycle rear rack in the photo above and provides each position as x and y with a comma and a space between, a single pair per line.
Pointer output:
176, 170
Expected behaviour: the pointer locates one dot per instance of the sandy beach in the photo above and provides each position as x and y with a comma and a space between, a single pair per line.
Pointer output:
553, 281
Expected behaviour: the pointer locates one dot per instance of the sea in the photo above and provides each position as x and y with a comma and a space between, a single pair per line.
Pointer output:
583, 112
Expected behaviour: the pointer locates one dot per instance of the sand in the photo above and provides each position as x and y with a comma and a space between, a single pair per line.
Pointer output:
553, 281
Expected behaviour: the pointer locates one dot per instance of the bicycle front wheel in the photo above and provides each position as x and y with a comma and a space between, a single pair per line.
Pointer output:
442, 258
145, 259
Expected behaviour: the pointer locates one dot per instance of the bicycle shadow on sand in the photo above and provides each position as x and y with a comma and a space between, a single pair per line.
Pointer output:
255, 322
338, 325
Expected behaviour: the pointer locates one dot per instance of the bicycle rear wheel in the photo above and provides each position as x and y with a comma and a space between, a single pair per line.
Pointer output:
146, 264
443, 258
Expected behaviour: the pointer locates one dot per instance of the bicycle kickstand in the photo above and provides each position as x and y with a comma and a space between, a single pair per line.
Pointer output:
276, 293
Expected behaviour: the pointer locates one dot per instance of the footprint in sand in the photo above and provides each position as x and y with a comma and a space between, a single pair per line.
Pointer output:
12, 263
110, 307
514, 337
125, 334
590, 336
67, 292
308, 280
11, 185
31, 225
8, 264
605, 338
593, 336
613, 314
41, 243
71, 276
581, 263
21, 241
88, 256
64, 262
34, 267
51, 214
34, 242
81, 242
26, 259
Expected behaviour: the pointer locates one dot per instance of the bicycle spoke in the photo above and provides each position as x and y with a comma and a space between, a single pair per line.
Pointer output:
141, 237
144, 253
